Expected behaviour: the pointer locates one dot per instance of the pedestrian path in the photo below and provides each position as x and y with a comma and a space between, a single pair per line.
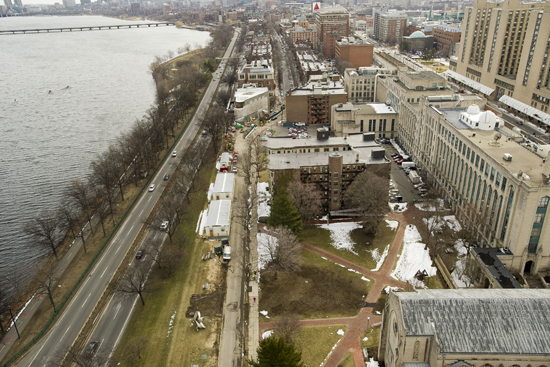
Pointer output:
351, 341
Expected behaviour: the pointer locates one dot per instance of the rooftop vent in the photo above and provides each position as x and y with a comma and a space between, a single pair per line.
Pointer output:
507, 157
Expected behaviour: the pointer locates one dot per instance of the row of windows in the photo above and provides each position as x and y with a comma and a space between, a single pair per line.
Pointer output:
309, 150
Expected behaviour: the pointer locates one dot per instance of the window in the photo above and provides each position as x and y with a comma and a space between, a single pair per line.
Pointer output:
487, 167
492, 177
503, 187
481, 165
477, 161
543, 203
497, 182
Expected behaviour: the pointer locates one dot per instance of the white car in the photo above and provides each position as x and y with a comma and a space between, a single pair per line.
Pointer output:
152, 187
175, 153
164, 225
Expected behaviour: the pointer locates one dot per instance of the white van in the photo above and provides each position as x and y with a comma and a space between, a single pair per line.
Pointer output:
227, 253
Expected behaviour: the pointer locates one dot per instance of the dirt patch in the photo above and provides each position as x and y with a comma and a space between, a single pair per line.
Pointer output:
311, 292
211, 303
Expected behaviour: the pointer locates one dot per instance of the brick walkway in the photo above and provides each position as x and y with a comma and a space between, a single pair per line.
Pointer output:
351, 342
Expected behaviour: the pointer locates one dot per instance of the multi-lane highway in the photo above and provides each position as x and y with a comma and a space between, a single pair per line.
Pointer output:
111, 324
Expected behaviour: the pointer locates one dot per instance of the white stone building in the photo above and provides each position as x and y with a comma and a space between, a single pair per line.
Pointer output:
250, 101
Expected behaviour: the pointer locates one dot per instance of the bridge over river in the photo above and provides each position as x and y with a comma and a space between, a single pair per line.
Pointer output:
87, 28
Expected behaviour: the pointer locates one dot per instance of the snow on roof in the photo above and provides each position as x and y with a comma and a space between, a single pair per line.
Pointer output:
382, 108
470, 83
242, 94
224, 182
219, 213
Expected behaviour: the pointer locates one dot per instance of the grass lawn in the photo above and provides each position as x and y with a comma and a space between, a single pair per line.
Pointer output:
348, 361
435, 282
319, 289
164, 320
264, 176
316, 343
365, 245
372, 342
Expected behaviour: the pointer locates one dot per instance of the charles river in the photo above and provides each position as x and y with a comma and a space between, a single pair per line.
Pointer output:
48, 139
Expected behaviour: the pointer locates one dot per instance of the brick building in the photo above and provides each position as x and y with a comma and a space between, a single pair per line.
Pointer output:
355, 51
327, 164
332, 24
299, 33
259, 72
311, 103
446, 39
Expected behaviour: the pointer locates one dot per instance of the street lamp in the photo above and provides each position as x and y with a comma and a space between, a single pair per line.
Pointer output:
13, 320
368, 322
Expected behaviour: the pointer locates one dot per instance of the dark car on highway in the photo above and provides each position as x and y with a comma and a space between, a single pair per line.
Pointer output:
139, 254
91, 349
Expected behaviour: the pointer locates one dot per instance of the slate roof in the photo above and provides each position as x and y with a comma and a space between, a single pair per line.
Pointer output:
481, 321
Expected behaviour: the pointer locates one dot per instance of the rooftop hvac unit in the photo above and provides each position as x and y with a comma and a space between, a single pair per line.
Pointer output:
507, 157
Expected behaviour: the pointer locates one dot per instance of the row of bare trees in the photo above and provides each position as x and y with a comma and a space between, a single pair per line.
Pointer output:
89, 202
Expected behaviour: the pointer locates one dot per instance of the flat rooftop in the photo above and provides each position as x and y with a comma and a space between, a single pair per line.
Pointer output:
522, 159
352, 140
297, 160
243, 94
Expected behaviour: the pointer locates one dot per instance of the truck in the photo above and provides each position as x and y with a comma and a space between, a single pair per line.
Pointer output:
227, 253
408, 165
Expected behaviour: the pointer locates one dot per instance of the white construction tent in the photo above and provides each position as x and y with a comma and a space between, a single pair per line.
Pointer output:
218, 220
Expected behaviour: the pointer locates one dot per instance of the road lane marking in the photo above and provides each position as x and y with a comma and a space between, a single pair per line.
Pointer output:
86, 300
118, 248
65, 333
117, 309
103, 273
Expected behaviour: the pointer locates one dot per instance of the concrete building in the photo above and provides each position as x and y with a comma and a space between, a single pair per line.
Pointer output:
249, 101
218, 219
409, 87
418, 42
311, 103
328, 164
446, 39
69, 3
259, 72
360, 84
504, 47
355, 51
332, 24
497, 184
466, 328
389, 26
223, 187
351, 118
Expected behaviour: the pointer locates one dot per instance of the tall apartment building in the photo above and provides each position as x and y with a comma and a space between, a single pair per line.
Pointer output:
332, 24
8, 3
504, 45
446, 39
357, 52
498, 188
360, 83
327, 164
389, 26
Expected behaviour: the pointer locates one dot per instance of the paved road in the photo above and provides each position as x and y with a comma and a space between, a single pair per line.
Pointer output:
76, 313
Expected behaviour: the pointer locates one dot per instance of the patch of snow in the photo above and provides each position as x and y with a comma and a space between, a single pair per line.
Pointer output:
390, 288
379, 258
461, 279
393, 224
452, 223
171, 323
264, 313
398, 207
377, 313
365, 339
430, 207
340, 235
355, 271
415, 257
201, 222
365, 279
267, 334
340, 332
264, 209
324, 258
266, 246
372, 363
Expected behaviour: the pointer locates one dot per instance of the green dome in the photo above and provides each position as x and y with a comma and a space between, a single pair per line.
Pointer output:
417, 34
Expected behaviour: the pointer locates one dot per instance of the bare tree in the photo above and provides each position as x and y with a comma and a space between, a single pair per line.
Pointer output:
222, 97
46, 231
288, 328
5, 301
306, 198
433, 223
135, 282
283, 251
368, 193
16, 280
135, 348
45, 283
172, 256
83, 197
76, 356
216, 124
68, 217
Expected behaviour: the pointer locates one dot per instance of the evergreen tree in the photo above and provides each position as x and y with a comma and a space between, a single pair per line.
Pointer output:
284, 212
275, 352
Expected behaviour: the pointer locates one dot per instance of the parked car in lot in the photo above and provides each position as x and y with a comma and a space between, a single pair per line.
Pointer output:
234, 170
139, 254
152, 187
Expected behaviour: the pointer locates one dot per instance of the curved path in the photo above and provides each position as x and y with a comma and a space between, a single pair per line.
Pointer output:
351, 341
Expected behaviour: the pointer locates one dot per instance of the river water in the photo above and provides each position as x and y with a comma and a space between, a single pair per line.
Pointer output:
49, 138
